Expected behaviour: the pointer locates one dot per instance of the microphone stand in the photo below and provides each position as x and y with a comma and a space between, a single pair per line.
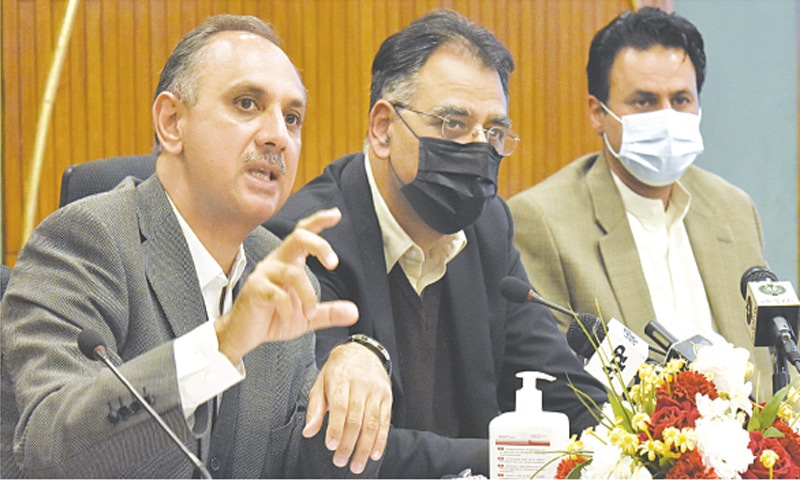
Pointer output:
780, 369
199, 468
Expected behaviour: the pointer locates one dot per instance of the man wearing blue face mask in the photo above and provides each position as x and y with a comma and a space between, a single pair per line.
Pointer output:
635, 228
424, 242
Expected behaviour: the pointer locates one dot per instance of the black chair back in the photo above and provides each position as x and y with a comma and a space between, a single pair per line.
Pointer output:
99, 176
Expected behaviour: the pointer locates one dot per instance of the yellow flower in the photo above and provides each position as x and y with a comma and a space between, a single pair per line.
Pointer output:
653, 449
786, 413
640, 421
674, 366
627, 442
682, 440
749, 369
575, 445
768, 458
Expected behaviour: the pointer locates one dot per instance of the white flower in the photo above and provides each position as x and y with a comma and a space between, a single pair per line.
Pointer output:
727, 367
717, 408
605, 459
724, 445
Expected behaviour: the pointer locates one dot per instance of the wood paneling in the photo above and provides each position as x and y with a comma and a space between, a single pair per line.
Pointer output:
118, 47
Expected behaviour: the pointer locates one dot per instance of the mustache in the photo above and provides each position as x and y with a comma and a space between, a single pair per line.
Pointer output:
272, 158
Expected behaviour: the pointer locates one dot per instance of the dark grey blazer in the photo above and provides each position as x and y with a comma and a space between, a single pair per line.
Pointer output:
118, 263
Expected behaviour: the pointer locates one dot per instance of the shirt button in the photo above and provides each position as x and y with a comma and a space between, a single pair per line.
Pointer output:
214, 464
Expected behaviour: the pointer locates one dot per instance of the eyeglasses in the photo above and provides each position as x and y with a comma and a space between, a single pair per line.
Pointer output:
458, 127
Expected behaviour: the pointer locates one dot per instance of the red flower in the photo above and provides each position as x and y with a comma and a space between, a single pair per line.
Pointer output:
783, 468
790, 440
568, 464
686, 385
672, 413
690, 465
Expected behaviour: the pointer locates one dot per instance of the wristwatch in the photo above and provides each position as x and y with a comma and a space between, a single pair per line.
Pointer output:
375, 347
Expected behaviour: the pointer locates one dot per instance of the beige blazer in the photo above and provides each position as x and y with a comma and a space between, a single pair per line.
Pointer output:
577, 246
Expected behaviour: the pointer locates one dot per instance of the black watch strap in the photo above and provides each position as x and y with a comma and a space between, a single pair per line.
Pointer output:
376, 348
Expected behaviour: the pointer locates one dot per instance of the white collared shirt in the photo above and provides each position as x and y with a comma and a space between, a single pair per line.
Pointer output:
673, 279
421, 268
203, 371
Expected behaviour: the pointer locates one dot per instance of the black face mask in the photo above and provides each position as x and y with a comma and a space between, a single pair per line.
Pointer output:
453, 183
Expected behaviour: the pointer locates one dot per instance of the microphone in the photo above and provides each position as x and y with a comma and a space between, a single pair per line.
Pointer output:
614, 352
515, 290
92, 346
685, 349
772, 311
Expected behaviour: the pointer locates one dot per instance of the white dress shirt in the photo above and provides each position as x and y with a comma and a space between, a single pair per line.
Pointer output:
203, 371
676, 288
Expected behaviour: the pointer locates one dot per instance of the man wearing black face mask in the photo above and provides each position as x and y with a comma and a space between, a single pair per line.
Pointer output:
424, 242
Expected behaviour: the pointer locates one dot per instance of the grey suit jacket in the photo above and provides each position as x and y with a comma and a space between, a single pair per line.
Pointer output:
118, 263
577, 246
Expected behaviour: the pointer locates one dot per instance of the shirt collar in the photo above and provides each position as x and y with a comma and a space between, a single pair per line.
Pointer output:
209, 272
396, 242
650, 210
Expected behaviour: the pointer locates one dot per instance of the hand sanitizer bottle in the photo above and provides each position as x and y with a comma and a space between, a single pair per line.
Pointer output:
521, 443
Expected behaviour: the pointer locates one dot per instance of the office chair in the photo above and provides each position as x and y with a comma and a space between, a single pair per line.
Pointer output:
98, 176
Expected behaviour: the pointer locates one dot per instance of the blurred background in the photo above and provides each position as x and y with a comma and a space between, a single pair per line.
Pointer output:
113, 58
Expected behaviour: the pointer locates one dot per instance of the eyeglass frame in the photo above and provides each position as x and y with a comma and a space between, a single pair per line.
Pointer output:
507, 134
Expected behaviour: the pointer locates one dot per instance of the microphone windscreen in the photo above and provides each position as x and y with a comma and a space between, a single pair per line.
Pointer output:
514, 290
577, 338
756, 274
88, 341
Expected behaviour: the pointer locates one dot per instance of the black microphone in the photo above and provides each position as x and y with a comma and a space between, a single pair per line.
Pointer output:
92, 346
772, 311
515, 290
584, 333
685, 349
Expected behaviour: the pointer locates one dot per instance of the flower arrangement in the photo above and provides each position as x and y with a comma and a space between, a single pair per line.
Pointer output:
690, 421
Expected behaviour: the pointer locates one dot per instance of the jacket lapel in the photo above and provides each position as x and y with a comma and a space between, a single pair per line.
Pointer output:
618, 249
470, 323
169, 266
369, 250
713, 257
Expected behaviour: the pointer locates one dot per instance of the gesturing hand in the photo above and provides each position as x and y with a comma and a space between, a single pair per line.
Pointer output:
277, 301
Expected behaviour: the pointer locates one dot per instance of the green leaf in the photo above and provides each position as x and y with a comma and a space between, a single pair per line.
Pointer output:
773, 432
766, 417
576, 472
621, 412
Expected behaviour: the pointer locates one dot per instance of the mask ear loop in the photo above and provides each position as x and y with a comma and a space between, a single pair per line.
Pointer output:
605, 137
391, 165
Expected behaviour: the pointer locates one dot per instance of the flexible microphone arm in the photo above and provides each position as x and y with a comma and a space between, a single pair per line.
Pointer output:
91, 345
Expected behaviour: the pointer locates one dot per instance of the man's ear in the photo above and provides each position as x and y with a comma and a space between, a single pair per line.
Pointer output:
167, 110
378, 135
596, 114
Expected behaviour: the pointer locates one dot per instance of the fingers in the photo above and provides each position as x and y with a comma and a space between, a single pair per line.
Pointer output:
374, 432
335, 313
358, 393
305, 240
317, 406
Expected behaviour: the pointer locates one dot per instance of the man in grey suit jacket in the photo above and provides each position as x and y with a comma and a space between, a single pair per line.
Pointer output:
636, 230
187, 290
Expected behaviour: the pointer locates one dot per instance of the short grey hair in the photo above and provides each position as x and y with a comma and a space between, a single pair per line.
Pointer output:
181, 72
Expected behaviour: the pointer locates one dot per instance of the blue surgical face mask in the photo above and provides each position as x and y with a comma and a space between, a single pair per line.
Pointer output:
658, 147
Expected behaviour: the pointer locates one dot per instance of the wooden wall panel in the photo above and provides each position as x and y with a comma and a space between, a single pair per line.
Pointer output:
118, 47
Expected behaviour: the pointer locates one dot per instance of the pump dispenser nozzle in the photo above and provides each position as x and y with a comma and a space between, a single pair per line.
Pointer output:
529, 398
